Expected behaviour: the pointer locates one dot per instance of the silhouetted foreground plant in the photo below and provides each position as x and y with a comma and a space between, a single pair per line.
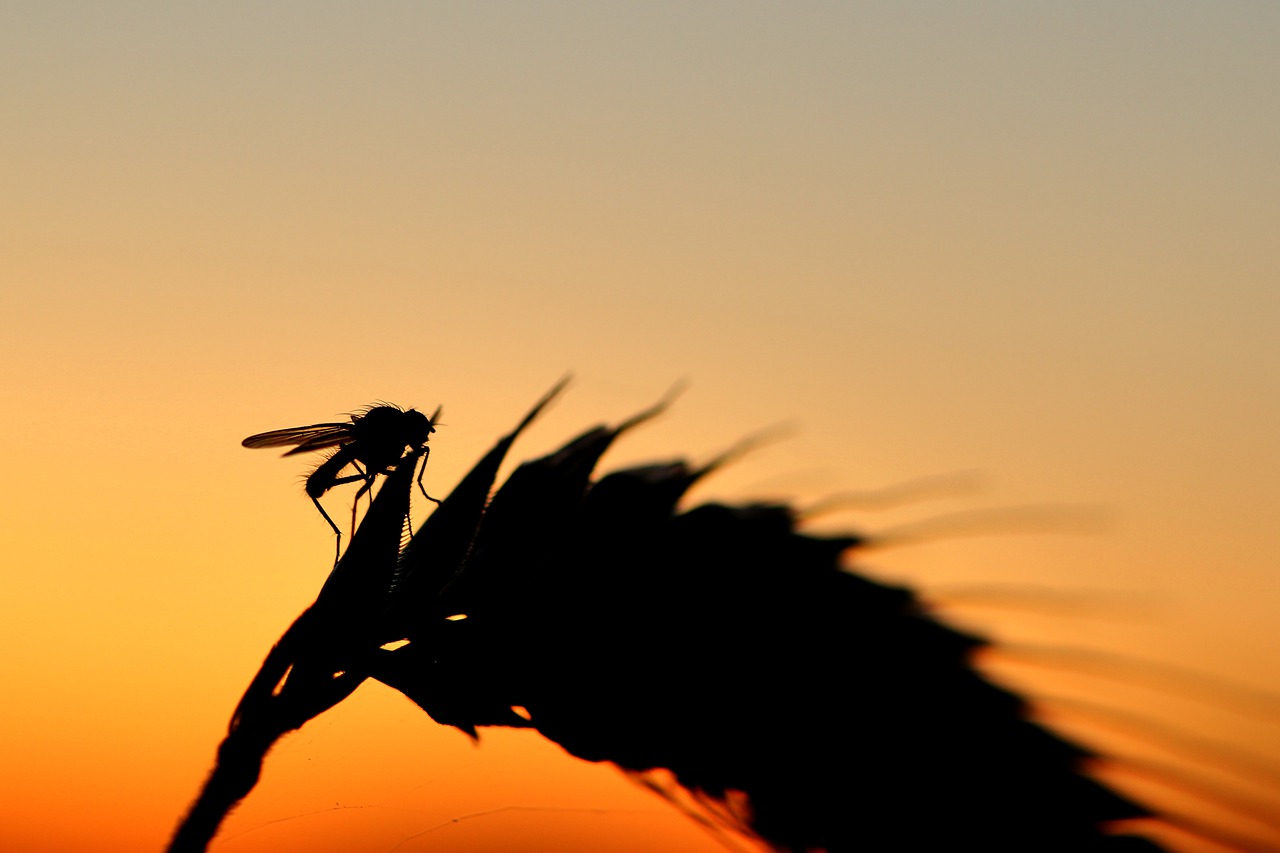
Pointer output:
812, 708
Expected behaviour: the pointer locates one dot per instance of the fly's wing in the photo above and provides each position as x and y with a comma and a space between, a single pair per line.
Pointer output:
320, 441
306, 438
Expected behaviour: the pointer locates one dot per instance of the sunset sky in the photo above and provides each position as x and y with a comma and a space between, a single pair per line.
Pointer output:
1029, 248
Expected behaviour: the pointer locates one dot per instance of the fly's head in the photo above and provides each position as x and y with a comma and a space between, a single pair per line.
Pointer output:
418, 427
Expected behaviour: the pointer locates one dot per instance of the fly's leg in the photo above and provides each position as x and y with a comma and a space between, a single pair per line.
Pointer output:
426, 451
364, 490
337, 545
342, 481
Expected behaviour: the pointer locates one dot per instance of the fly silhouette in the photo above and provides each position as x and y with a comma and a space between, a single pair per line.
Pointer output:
373, 443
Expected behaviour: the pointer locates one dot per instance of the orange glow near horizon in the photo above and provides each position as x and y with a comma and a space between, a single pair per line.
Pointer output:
1038, 244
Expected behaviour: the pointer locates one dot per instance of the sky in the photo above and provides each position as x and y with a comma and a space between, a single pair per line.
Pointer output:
1023, 252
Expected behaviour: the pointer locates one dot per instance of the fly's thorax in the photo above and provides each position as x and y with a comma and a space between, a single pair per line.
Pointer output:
384, 432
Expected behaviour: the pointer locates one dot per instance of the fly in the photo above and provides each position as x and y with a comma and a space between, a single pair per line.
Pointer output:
372, 443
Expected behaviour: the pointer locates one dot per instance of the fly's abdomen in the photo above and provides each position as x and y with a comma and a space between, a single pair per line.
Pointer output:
322, 478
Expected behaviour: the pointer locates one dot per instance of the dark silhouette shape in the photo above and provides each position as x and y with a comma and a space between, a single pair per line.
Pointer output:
326, 652
810, 707
375, 438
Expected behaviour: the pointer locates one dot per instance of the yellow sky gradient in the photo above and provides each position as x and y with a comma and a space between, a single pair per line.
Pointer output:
1035, 242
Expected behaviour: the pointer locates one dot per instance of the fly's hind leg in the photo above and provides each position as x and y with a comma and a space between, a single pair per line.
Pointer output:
337, 545
351, 478
355, 505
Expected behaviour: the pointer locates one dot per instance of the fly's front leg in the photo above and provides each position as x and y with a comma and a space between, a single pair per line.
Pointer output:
426, 451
